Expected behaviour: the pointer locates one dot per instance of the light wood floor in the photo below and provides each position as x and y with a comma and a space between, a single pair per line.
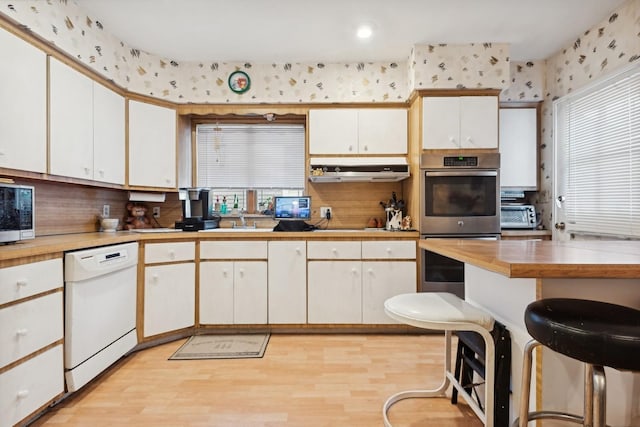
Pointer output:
302, 380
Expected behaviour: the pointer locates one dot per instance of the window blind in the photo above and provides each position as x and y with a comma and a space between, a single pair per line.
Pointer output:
250, 156
598, 156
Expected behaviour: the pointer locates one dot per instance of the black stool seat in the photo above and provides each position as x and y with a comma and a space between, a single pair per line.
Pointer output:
593, 332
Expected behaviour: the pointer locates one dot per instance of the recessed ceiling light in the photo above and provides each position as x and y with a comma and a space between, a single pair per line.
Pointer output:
364, 32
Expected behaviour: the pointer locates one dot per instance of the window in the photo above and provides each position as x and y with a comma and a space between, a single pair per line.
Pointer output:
268, 158
597, 138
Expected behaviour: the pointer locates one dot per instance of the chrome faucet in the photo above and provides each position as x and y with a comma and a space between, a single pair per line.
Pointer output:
243, 221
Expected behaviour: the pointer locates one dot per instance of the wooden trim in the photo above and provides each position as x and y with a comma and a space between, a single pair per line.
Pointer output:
423, 93
31, 355
31, 297
528, 104
13, 262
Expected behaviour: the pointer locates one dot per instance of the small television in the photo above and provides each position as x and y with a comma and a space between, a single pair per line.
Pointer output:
292, 207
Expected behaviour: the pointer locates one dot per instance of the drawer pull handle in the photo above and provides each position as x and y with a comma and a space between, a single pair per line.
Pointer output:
298, 250
22, 282
23, 394
388, 250
370, 271
22, 332
154, 278
172, 254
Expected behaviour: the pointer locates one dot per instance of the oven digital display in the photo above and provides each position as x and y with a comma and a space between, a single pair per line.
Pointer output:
461, 161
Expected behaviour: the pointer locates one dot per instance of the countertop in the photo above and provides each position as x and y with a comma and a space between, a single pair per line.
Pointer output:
58, 244
544, 259
525, 232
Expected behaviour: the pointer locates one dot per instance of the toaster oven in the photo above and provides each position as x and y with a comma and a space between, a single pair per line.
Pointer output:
518, 216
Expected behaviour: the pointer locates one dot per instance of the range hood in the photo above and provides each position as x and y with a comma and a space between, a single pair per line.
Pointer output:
358, 169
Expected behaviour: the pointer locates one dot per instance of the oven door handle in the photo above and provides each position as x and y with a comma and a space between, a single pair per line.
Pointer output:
462, 173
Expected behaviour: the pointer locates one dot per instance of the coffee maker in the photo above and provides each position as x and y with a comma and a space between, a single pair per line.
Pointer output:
196, 210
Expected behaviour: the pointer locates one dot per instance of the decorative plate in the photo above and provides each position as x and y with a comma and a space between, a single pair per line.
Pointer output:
239, 82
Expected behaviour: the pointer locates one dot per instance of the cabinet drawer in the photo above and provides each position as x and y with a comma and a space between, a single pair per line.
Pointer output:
389, 249
333, 250
233, 249
169, 252
29, 279
31, 385
29, 326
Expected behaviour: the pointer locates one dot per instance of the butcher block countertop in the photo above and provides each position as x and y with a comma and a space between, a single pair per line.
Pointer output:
544, 259
52, 245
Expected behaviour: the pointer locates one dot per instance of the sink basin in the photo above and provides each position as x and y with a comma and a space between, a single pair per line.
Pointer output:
237, 229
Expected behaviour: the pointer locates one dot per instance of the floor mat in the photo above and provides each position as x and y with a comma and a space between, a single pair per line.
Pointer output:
222, 347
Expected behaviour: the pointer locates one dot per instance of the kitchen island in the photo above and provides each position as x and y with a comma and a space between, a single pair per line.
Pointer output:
503, 277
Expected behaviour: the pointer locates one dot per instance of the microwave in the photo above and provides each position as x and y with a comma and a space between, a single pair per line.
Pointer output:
518, 216
17, 216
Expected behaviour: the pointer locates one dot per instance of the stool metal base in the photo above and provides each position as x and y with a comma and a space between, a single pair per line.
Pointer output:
594, 396
450, 379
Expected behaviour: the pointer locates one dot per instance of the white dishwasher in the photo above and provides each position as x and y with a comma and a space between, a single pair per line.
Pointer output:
100, 310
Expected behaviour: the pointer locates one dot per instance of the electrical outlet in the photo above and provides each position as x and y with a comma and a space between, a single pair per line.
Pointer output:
156, 211
326, 211
106, 211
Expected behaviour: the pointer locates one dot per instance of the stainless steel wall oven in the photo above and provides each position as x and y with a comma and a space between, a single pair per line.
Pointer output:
460, 198
460, 194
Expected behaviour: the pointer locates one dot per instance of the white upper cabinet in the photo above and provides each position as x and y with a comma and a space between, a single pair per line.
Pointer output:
382, 131
87, 127
333, 131
71, 121
519, 148
108, 135
23, 102
460, 122
358, 131
152, 145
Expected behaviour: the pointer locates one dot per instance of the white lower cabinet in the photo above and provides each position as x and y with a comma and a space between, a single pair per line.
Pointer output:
380, 281
31, 332
335, 291
287, 282
233, 292
233, 282
29, 386
349, 284
169, 288
169, 298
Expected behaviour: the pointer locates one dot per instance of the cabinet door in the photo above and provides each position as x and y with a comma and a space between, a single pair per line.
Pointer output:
30, 385
335, 292
440, 122
23, 122
71, 122
382, 131
169, 298
380, 281
152, 145
333, 131
30, 326
518, 148
216, 293
108, 135
479, 121
287, 282
250, 292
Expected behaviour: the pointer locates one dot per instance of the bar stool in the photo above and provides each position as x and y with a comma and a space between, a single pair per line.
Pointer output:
596, 333
446, 312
